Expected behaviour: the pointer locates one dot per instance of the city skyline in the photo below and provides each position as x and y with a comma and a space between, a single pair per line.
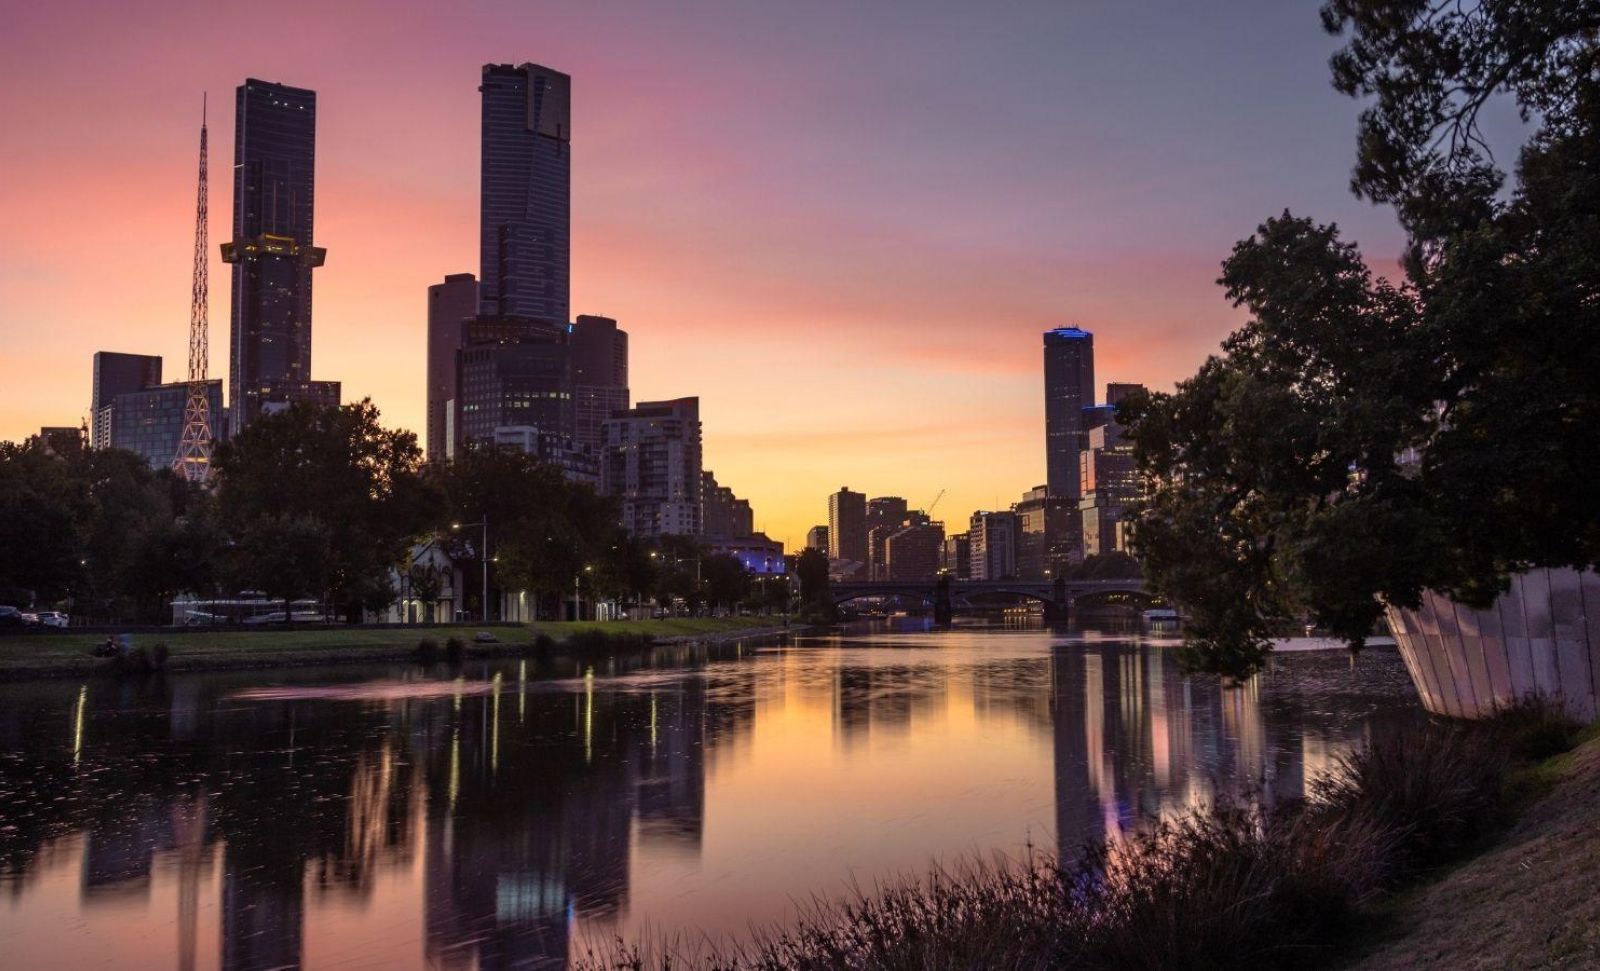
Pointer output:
709, 251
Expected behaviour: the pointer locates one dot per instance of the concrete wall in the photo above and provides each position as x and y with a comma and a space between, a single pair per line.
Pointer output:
1537, 639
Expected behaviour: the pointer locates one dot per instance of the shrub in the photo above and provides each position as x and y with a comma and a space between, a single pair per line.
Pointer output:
1224, 886
159, 654
427, 652
455, 649
1439, 789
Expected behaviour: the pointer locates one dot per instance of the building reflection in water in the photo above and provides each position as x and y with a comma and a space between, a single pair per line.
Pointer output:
493, 816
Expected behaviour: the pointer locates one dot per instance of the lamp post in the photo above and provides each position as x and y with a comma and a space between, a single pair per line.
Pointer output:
577, 598
483, 554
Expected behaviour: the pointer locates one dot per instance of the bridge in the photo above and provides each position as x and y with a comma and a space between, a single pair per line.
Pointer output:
1059, 596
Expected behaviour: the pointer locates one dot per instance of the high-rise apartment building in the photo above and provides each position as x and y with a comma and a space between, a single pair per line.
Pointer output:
817, 538
885, 515
1068, 389
1109, 480
272, 251
956, 558
450, 305
599, 376
913, 552
847, 530
114, 374
1048, 533
651, 461
525, 213
994, 537
723, 514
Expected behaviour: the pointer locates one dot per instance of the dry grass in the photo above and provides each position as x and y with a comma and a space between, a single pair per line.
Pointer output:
1224, 887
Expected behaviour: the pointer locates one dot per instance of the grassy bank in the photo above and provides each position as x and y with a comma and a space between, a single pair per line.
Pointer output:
45, 655
1298, 886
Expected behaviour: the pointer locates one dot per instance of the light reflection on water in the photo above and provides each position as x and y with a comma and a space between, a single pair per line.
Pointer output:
506, 813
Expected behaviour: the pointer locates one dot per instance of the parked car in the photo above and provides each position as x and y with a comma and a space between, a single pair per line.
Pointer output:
53, 618
30, 620
275, 617
10, 617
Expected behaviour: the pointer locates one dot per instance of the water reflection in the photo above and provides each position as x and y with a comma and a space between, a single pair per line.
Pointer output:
501, 815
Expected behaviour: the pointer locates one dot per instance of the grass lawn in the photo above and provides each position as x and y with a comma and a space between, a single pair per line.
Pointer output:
47, 653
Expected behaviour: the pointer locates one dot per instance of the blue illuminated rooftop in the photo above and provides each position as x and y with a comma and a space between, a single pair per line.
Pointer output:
1068, 334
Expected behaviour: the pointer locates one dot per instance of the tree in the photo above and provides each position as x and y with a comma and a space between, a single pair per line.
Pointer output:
284, 557
811, 566
338, 467
543, 530
726, 581
1360, 441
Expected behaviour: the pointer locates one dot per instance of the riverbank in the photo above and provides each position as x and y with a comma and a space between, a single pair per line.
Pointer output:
1405, 854
1526, 902
71, 655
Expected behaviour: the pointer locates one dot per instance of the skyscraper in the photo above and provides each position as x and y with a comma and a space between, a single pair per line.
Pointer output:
599, 376
847, 529
450, 304
525, 213
1068, 388
274, 156
116, 373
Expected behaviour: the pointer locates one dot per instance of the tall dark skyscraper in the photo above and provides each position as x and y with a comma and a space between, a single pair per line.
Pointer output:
274, 157
115, 374
526, 185
599, 376
450, 305
1068, 389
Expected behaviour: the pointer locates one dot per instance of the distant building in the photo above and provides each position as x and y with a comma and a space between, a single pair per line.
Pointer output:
817, 538
994, 539
758, 553
1116, 392
272, 249
513, 371
1068, 388
723, 514
525, 210
914, 552
116, 373
847, 531
450, 305
651, 461
150, 421
577, 463
599, 376
885, 515
956, 558
61, 438
1048, 534
1109, 484
276, 396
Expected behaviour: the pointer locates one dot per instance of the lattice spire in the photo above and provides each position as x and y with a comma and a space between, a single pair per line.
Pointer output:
193, 460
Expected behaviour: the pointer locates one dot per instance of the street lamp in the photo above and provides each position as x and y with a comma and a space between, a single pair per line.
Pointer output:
483, 554
577, 598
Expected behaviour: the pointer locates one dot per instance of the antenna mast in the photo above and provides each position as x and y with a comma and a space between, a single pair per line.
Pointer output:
193, 461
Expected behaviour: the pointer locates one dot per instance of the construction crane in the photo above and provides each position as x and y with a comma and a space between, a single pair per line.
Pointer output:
193, 461
929, 511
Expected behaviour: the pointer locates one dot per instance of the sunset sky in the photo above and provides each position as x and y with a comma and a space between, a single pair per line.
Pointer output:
844, 225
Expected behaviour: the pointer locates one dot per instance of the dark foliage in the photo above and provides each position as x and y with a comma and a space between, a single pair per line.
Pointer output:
1224, 887
1359, 441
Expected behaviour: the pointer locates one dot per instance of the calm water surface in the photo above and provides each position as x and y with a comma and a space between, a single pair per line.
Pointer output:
509, 813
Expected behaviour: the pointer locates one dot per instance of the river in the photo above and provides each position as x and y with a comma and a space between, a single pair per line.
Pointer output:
511, 813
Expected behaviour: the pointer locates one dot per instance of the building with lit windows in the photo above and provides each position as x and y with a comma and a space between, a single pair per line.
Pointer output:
1068, 389
651, 462
272, 251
